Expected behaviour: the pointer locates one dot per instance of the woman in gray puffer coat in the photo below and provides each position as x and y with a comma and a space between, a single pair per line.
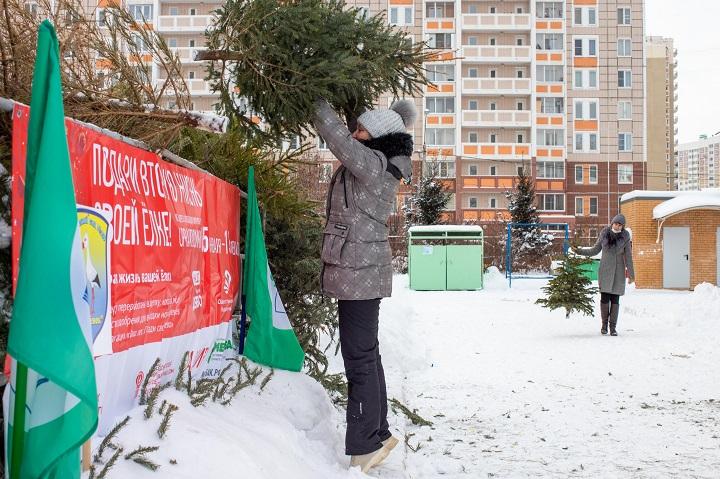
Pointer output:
356, 258
615, 243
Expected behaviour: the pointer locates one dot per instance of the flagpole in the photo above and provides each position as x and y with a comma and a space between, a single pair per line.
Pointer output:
18, 437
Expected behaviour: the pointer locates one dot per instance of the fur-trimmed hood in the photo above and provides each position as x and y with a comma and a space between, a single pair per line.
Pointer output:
397, 148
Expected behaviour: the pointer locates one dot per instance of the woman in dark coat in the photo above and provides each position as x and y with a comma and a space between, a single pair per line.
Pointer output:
614, 242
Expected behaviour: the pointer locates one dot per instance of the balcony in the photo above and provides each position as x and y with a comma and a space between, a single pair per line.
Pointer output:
496, 54
496, 151
487, 182
195, 87
496, 86
183, 23
186, 54
495, 22
496, 118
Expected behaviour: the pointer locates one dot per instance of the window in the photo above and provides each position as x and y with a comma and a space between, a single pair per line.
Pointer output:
31, 8
550, 41
472, 8
520, 138
191, 43
473, 105
440, 136
520, 73
141, 12
586, 142
579, 203
593, 206
473, 40
624, 110
519, 10
440, 104
579, 177
551, 137
549, 10
192, 11
625, 141
472, 170
450, 205
191, 75
445, 169
585, 79
401, 15
552, 105
493, 42
551, 169
623, 16
294, 142
493, 138
585, 16
520, 170
492, 202
493, 171
103, 16
585, 46
473, 137
140, 45
586, 109
438, 73
321, 143
172, 42
326, 170
472, 202
625, 174
520, 106
439, 10
549, 73
593, 174
519, 41
624, 78
174, 11
493, 73
624, 47
440, 40
492, 10
472, 72
492, 106
551, 202
363, 13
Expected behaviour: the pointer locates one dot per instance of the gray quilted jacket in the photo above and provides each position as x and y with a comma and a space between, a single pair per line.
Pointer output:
615, 260
355, 252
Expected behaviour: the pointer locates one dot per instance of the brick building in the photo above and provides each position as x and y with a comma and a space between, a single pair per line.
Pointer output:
676, 237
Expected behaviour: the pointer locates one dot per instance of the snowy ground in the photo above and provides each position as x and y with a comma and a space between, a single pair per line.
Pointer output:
513, 391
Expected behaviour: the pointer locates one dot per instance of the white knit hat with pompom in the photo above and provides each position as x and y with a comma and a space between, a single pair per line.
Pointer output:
397, 119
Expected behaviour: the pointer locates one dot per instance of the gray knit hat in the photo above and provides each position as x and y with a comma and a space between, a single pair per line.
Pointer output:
397, 119
619, 219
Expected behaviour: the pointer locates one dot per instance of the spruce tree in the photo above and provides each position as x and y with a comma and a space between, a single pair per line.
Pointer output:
429, 199
529, 244
570, 289
280, 57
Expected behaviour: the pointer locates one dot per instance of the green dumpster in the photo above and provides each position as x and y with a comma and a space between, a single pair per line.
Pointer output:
590, 270
445, 257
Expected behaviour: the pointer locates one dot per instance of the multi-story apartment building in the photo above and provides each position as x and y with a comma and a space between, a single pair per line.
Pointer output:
699, 164
662, 107
554, 87
182, 24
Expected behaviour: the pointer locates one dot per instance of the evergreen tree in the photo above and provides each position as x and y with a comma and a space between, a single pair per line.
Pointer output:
529, 245
281, 56
570, 289
429, 199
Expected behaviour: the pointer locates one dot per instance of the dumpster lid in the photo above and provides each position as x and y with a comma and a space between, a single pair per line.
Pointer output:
443, 228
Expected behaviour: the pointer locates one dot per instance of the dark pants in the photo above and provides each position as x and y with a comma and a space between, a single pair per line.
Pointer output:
367, 424
610, 307
610, 298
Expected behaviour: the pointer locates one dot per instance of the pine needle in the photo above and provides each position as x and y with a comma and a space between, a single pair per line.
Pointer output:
143, 389
110, 464
267, 379
179, 377
141, 450
165, 424
414, 417
107, 439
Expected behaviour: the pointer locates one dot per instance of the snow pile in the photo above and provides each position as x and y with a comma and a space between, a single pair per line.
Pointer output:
512, 390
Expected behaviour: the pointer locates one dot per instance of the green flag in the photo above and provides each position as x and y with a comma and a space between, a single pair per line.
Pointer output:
53, 376
271, 339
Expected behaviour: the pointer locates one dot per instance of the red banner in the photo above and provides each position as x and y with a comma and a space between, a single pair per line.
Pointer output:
160, 242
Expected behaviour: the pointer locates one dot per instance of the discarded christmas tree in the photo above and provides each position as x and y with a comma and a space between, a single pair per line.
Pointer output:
570, 289
275, 58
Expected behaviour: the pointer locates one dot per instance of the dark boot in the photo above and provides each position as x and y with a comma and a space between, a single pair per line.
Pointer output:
605, 315
614, 311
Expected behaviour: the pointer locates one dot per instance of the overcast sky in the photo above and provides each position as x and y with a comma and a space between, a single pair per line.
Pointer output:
694, 25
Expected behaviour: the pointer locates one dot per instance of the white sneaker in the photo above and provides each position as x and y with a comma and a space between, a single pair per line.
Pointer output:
390, 443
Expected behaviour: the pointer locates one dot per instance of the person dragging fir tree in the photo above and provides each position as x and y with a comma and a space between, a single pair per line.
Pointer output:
614, 242
357, 259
